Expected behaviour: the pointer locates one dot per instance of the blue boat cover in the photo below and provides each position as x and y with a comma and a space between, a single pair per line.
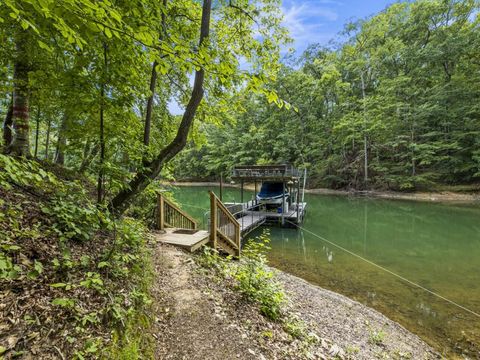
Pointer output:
271, 190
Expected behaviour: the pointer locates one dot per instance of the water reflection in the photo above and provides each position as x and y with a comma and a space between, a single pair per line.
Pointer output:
434, 245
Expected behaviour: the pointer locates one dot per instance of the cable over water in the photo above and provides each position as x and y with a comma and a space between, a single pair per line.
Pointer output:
389, 271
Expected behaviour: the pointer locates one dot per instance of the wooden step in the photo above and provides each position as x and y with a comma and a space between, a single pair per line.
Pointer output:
184, 238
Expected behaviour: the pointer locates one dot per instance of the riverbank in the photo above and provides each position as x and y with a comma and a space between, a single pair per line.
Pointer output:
198, 317
440, 196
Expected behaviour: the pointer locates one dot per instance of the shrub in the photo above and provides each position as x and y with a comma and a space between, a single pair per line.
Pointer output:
255, 280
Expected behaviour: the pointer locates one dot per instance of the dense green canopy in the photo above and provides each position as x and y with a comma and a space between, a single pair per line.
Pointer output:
395, 105
87, 84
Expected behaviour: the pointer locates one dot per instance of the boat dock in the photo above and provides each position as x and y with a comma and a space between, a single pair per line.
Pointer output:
229, 223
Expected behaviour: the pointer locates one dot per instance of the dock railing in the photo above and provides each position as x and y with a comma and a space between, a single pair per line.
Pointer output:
170, 216
224, 228
249, 216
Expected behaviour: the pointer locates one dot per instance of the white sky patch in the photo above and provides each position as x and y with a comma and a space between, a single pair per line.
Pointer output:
174, 108
308, 21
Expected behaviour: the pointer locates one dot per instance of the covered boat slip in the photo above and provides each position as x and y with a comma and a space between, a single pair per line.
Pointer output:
281, 196
228, 223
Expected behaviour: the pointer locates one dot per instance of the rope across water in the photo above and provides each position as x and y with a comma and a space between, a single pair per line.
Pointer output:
389, 271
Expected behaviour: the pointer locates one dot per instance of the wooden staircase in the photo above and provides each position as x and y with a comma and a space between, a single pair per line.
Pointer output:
225, 233
177, 227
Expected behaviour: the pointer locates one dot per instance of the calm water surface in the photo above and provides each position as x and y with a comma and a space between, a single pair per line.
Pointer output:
434, 245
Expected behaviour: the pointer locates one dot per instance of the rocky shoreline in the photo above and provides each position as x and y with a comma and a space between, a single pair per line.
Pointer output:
442, 196
198, 317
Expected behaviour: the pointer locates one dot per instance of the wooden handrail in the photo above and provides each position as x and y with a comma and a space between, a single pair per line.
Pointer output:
217, 230
226, 211
176, 216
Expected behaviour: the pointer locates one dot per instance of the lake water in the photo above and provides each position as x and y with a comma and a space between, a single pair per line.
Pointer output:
434, 245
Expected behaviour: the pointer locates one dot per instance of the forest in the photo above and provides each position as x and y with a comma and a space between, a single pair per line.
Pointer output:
86, 84
392, 104
89, 141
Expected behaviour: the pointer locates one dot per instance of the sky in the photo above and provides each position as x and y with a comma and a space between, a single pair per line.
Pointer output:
317, 21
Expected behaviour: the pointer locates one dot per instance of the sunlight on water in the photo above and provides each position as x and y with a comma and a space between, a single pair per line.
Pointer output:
434, 245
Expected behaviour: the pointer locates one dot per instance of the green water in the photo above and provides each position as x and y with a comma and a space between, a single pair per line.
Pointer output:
434, 245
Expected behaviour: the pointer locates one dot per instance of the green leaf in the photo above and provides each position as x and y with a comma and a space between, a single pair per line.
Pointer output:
58, 285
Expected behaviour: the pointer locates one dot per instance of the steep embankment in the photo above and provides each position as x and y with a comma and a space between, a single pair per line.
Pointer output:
201, 314
72, 280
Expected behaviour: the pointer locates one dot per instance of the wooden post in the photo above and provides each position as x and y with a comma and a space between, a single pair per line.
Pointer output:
221, 187
283, 203
161, 212
213, 220
298, 201
241, 192
239, 240
255, 194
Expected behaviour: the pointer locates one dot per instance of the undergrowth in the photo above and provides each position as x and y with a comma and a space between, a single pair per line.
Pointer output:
255, 280
82, 276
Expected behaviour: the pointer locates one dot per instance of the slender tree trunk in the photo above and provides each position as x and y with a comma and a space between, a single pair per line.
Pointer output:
37, 130
47, 141
148, 116
101, 173
153, 168
7, 127
365, 138
153, 83
20, 145
89, 155
61, 142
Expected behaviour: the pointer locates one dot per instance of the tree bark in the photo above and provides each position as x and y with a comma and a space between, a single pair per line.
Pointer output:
101, 172
7, 127
47, 141
153, 84
153, 168
61, 142
37, 131
20, 145
148, 116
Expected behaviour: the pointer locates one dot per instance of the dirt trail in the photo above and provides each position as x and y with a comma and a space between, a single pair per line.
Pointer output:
199, 317
190, 325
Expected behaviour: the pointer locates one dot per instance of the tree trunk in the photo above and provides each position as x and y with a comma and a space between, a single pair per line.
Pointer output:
47, 141
153, 168
365, 138
61, 142
37, 130
7, 127
101, 173
20, 145
153, 83
148, 116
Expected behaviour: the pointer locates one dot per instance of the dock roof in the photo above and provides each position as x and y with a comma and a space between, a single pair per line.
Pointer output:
266, 172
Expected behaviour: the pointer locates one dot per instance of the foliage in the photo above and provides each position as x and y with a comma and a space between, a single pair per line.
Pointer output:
102, 279
256, 281
75, 49
403, 85
251, 275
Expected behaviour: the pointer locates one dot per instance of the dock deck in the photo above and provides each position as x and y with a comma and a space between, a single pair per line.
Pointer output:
250, 221
292, 215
